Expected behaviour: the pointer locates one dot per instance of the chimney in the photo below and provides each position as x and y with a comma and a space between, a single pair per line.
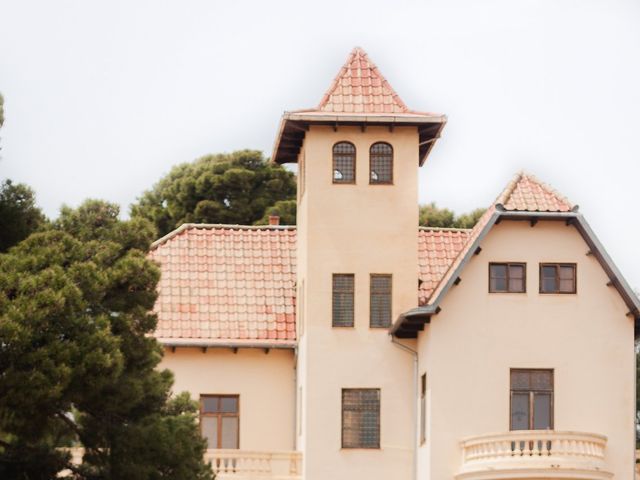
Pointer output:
274, 220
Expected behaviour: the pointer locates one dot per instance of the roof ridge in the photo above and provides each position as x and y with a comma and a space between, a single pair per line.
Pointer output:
212, 226
504, 196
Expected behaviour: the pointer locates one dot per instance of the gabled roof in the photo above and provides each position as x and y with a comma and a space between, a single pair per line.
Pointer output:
524, 198
359, 95
232, 285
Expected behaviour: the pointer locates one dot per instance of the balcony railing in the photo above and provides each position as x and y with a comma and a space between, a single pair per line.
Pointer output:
250, 465
534, 454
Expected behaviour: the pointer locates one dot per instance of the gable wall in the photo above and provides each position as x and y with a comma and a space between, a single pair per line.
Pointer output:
470, 346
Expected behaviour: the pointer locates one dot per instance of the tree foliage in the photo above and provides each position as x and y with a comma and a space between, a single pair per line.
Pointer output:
235, 188
285, 209
432, 216
19, 215
77, 363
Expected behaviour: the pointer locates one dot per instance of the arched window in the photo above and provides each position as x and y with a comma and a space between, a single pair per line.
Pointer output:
381, 163
344, 163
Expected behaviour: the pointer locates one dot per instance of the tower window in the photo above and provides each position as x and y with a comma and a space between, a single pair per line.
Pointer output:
342, 310
381, 163
344, 163
380, 303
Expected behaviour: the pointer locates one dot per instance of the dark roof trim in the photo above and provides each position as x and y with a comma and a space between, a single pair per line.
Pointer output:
628, 295
293, 127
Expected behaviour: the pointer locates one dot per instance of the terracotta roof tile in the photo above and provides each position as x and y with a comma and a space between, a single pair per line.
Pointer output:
360, 88
208, 285
213, 285
238, 283
437, 249
526, 193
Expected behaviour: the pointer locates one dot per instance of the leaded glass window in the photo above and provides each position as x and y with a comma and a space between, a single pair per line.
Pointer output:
344, 163
342, 308
381, 163
361, 418
380, 298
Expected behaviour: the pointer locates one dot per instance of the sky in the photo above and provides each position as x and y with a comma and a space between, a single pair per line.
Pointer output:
102, 98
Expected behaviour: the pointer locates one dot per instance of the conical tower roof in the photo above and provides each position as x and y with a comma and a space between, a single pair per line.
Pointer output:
359, 95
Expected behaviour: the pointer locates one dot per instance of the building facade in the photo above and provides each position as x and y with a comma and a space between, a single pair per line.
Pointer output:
357, 345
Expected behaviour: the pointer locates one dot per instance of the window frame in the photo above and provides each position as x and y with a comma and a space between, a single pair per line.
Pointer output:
219, 416
333, 163
509, 264
353, 300
390, 182
371, 293
342, 425
557, 266
532, 398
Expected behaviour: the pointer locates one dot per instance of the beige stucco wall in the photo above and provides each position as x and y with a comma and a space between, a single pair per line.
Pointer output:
470, 346
359, 229
264, 381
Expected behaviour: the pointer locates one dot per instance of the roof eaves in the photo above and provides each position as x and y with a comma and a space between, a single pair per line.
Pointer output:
222, 343
617, 279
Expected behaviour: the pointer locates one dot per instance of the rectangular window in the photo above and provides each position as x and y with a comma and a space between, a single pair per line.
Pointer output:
342, 310
557, 278
220, 420
531, 399
380, 301
423, 408
361, 418
507, 277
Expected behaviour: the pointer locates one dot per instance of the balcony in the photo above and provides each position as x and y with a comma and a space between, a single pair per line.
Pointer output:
533, 455
252, 465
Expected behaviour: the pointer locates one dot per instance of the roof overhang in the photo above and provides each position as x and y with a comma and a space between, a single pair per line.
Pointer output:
294, 125
223, 343
409, 323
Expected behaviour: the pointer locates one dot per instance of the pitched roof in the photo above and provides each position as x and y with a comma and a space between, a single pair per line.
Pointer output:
359, 95
360, 87
437, 249
524, 197
526, 193
224, 284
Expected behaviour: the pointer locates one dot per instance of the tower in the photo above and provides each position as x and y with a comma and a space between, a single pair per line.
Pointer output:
358, 154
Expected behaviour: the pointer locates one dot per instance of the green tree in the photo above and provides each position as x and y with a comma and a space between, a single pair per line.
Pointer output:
234, 188
19, 215
285, 209
430, 215
77, 362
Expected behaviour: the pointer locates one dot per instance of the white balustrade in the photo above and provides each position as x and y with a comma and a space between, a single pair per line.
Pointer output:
230, 464
534, 450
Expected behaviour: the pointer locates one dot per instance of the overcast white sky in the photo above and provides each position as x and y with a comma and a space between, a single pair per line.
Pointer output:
103, 97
